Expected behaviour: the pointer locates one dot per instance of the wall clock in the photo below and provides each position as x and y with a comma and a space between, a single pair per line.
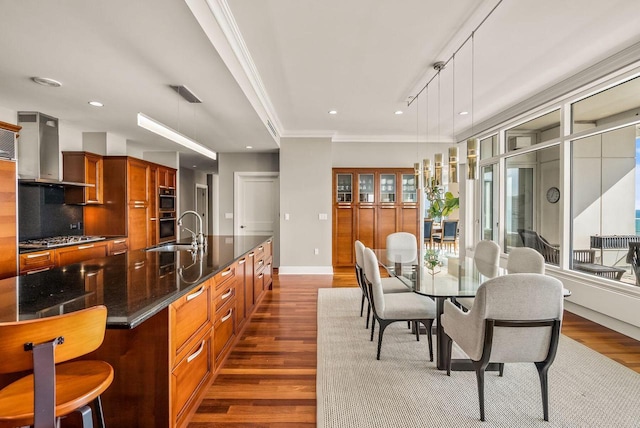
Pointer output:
553, 195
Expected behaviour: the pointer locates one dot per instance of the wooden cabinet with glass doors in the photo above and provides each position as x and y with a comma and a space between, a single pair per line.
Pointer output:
368, 205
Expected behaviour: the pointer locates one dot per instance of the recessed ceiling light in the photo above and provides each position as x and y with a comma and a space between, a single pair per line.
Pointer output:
462, 113
249, 147
195, 166
333, 111
399, 112
45, 81
96, 103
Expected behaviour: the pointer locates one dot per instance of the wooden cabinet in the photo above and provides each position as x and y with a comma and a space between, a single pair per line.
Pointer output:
131, 202
117, 246
368, 205
8, 231
166, 177
241, 298
78, 253
83, 167
191, 350
37, 261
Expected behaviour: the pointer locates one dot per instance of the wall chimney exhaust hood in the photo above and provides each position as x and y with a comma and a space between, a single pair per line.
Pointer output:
39, 152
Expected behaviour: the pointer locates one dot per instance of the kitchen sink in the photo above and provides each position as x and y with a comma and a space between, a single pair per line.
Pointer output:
172, 248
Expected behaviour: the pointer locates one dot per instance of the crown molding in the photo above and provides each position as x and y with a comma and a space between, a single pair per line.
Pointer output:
217, 21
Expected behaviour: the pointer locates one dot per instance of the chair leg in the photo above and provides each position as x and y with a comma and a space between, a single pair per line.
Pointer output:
429, 325
449, 349
99, 413
501, 369
383, 325
362, 305
373, 326
86, 417
544, 386
408, 324
368, 315
417, 327
480, 378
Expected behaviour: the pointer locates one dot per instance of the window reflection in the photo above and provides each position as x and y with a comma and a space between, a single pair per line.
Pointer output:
538, 130
605, 202
532, 213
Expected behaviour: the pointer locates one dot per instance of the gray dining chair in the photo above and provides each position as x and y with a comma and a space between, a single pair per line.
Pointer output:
392, 307
402, 247
515, 318
389, 285
486, 257
525, 260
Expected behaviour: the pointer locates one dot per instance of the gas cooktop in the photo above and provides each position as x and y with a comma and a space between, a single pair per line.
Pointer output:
58, 241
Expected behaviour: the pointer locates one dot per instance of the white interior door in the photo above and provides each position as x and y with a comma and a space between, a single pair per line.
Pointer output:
256, 203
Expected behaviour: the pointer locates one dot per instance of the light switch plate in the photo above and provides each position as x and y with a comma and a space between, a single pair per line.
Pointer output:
228, 215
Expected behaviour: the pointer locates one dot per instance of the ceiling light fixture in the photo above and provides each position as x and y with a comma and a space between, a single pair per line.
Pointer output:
45, 81
333, 112
163, 130
248, 147
398, 112
96, 103
463, 113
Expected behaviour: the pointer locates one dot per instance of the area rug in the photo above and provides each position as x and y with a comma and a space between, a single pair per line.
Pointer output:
404, 389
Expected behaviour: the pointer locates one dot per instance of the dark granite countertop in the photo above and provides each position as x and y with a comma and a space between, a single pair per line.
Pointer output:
133, 286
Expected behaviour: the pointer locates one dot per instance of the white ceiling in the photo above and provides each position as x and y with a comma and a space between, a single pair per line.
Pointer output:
290, 61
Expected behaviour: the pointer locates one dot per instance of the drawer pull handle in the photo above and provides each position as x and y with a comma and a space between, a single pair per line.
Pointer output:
260, 262
226, 272
227, 294
33, 256
251, 254
195, 294
138, 206
138, 202
226, 317
242, 261
195, 354
269, 241
38, 270
152, 219
260, 248
119, 241
140, 264
85, 247
117, 253
260, 276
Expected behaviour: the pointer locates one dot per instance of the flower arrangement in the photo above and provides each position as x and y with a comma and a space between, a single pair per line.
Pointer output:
432, 260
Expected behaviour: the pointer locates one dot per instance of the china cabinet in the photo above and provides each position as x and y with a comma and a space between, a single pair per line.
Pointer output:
368, 205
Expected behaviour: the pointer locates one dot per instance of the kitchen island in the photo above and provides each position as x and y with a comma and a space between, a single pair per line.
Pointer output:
172, 318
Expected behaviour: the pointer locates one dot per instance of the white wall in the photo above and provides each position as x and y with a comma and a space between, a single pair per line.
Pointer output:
305, 192
228, 163
170, 159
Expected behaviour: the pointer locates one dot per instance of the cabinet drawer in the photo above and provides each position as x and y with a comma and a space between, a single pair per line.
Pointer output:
258, 286
267, 275
224, 294
191, 375
188, 316
224, 330
80, 253
259, 265
36, 261
225, 277
268, 249
259, 252
117, 246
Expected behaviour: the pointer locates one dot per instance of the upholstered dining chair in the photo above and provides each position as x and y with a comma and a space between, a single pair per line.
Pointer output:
402, 247
486, 256
391, 307
428, 232
525, 260
449, 235
515, 318
57, 386
389, 285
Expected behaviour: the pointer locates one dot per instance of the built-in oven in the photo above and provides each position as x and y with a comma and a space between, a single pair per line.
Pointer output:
167, 200
167, 226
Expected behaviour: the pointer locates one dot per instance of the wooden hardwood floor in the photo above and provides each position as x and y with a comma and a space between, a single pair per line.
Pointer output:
269, 378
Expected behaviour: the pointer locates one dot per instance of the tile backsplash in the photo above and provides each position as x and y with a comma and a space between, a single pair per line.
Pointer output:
43, 214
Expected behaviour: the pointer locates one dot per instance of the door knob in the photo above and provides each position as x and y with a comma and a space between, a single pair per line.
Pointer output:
241, 227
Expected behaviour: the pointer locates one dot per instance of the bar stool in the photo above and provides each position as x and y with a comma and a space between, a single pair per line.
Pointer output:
55, 388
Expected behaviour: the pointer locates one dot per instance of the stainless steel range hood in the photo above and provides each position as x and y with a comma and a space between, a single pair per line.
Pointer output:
39, 150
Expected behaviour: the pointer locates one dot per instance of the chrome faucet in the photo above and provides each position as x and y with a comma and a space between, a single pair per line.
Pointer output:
197, 238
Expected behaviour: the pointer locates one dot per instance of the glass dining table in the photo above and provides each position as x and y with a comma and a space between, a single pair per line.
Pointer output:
456, 278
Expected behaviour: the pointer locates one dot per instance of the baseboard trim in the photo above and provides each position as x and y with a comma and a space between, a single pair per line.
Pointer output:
305, 270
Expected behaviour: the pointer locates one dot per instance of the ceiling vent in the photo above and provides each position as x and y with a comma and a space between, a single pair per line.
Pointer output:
186, 94
271, 128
